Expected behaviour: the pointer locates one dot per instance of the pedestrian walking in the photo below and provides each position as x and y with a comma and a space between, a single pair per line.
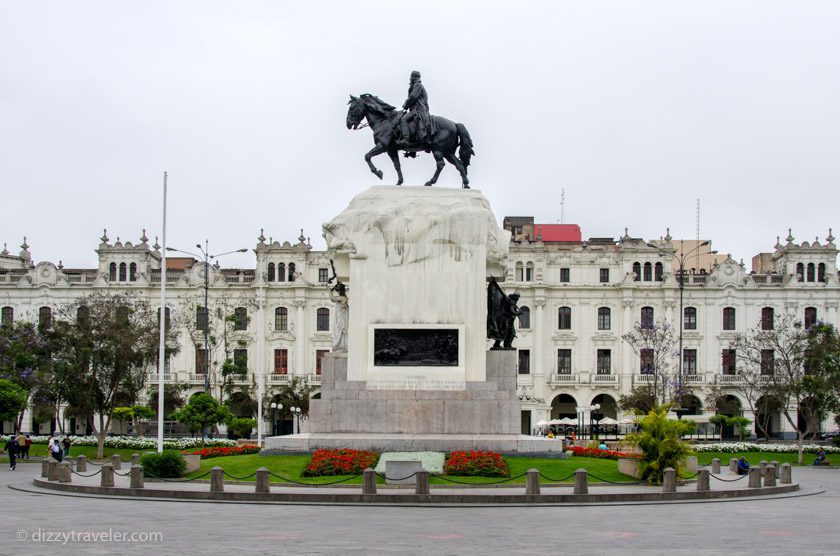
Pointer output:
12, 449
27, 445
66, 445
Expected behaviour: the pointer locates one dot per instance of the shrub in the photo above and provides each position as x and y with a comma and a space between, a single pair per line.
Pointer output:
476, 463
169, 464
207, 453
660, 441
241, 426
339, 462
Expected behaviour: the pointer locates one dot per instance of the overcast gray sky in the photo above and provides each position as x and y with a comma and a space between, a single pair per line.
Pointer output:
636, 109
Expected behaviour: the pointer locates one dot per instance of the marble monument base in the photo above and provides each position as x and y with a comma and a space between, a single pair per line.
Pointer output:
480, 415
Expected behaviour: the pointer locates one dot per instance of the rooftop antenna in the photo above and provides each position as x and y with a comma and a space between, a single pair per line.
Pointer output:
563, 206
697, 260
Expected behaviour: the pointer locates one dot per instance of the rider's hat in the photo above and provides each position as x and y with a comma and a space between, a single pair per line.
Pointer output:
415, 74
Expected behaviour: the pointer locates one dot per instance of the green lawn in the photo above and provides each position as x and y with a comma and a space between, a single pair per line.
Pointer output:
291, 467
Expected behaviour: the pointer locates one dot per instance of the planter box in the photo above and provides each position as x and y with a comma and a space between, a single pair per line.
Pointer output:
193, 462
630, 466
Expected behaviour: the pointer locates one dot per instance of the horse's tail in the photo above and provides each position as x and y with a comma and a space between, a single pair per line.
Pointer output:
466, 151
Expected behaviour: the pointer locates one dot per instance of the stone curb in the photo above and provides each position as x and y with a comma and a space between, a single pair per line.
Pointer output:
419, 499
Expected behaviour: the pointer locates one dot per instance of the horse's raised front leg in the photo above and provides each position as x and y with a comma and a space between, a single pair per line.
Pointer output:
439, 162
453, 160
375, 151
395, 158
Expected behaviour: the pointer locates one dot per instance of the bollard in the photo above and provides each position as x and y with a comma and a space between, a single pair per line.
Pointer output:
755, 478
763, 466
135, 459
775, 465
785, 472
532, 482
52, 471
669, 480
581, 486
136, 476
65, 472
421, 485
733, 465
81, 464
217, 479
770, 476
262, 481
107, 479
369, 483
116, 462
716, 466
45, 467
703, 480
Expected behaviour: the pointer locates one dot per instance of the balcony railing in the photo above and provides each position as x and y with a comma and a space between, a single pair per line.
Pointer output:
729, 379
604, 379
313, 379
564, 378
197, 377
276, 378
643, 378
694, 379
167, 377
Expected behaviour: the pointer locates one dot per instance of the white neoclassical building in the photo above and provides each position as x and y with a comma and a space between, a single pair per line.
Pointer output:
578, 298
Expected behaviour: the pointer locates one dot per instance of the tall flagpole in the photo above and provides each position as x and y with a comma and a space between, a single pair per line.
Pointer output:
162, 346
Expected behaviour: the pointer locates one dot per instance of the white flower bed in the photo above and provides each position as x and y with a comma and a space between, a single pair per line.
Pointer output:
431, 461
732, 447
136, 442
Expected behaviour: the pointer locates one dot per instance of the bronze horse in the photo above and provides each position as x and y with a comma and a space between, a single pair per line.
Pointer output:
384, 120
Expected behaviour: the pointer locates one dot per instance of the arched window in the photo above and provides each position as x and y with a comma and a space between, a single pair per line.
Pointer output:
821, 272
729, 318
646, 320
112, 272
604, 318
281, 318
132, 272
122, 272
800, 272
810, 316
657, 272
83, 316
524, 318
271, 272
322, 320
240, 318
520, 272
564, 317
767, 318
281, 272
811, 272
637, 271
648, 272
529, 272
8, 316
291, 272
44, 317
690, 318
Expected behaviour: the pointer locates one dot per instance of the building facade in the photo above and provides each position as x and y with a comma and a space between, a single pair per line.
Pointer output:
577, 298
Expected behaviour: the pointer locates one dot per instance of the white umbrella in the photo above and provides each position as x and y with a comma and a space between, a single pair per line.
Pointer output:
607, 421
566, 421
629, 420
541, 423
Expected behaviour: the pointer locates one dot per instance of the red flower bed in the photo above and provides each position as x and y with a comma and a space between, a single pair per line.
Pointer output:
219, 451
475, 463
606, 454
339, 462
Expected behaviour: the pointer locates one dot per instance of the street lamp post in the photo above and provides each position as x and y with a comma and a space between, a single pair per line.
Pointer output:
205, 254
296, 414
275, 407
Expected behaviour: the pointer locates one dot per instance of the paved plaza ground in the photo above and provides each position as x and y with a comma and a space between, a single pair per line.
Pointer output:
790, 525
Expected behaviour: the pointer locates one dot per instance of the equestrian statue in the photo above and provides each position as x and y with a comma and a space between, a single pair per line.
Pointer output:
411, 130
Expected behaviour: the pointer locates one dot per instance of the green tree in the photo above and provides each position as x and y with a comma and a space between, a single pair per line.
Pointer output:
22, 355
640, 400
660, 440
137, 415
201, 413
12, 400
656, 343
102, 352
